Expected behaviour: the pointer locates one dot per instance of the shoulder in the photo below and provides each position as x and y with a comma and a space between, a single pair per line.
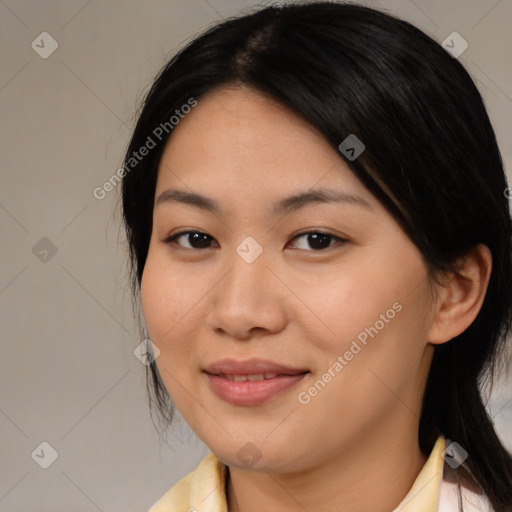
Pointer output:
471, 501
202, 489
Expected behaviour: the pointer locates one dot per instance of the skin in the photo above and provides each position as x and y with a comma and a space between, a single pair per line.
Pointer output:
295, 305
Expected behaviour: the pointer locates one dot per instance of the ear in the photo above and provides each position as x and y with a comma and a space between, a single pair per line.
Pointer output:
459, 298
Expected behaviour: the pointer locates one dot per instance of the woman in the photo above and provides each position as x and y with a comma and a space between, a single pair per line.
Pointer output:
320, 234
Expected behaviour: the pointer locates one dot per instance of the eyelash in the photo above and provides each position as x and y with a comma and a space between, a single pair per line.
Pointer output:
172, 239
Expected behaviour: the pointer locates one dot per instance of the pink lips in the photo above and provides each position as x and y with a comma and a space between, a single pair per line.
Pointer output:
228, 380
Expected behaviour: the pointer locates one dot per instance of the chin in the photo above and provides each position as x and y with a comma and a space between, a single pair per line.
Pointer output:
254, 455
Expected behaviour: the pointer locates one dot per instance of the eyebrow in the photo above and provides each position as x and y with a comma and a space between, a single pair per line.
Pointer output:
286, 205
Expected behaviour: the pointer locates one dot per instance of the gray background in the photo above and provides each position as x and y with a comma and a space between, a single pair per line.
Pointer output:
68, 375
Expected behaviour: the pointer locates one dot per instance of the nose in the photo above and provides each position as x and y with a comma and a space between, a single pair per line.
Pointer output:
249, 301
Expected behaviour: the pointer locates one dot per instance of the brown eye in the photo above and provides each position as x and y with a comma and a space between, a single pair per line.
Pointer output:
195, 239
317, 240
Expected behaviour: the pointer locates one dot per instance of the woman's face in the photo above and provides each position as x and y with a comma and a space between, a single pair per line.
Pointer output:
331, 327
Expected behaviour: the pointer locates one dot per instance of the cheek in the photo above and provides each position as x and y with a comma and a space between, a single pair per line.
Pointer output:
371, 370
170, 304
165, 294
350, 300
167, 303
384, 355
374, 313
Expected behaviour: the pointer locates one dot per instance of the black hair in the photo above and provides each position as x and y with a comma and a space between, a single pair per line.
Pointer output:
431, 158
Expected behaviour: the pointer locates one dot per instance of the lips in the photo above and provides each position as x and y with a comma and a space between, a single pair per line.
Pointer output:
251, 367
251, 382
252, 377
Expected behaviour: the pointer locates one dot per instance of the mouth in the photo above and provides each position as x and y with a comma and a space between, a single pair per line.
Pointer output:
251, 367
251, 382
252, 378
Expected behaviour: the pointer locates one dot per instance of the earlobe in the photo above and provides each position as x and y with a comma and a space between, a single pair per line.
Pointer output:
460, 297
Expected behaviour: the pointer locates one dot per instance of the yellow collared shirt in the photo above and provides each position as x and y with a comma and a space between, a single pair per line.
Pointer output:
203, 489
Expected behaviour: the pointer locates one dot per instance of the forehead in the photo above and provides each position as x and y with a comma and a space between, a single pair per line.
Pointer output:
228, 123
242, 145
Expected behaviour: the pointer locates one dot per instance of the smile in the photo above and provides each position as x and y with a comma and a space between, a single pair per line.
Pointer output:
251, 390
255, 377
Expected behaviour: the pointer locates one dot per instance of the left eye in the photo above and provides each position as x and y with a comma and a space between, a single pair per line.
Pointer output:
316, 240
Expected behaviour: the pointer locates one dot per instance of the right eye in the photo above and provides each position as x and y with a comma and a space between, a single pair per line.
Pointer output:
195, 239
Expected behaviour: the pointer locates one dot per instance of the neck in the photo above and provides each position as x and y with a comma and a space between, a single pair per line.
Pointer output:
373, 474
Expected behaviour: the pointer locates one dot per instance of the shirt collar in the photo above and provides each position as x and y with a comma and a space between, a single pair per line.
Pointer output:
423, 496
204, 488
